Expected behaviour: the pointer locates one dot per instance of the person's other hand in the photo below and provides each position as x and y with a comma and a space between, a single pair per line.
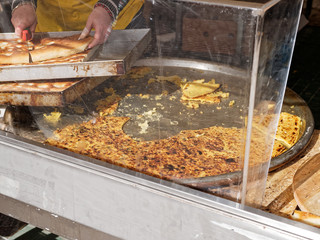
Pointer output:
24, 17
100, 20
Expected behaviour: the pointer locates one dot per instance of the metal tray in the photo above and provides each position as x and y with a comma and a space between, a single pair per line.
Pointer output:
54, 93
114, 57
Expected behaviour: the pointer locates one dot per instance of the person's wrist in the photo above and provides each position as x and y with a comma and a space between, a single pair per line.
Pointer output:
22, 3
107, 9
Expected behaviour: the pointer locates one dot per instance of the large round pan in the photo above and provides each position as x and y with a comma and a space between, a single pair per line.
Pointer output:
293, 103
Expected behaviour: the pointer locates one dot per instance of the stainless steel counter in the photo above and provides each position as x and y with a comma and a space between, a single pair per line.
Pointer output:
74, 196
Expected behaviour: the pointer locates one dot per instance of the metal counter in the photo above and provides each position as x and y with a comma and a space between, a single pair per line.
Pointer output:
76, 197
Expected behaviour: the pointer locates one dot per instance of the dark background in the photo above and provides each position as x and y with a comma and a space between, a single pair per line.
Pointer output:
304, 76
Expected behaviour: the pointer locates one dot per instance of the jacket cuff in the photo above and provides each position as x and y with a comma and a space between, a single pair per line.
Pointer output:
17, 3
111, 6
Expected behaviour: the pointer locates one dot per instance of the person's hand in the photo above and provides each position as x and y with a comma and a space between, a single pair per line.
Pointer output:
24, 17
100, 20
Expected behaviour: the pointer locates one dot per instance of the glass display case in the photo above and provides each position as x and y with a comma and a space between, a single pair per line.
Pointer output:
174, 128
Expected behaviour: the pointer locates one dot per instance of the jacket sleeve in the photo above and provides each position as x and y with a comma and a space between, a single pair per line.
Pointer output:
113, 7
17, 3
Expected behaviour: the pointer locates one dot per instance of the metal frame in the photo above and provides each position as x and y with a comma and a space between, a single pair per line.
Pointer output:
120, 203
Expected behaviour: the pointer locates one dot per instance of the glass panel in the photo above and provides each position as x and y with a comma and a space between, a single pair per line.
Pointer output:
199, 107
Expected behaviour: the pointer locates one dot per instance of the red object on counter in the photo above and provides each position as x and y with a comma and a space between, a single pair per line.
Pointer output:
26, 35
